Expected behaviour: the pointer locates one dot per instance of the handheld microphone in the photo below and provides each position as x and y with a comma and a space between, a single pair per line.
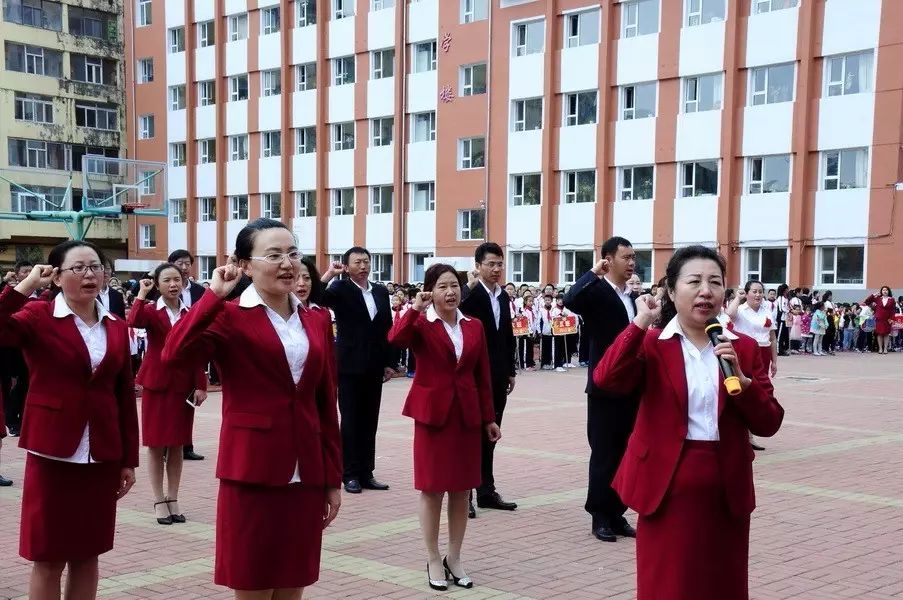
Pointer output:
731, 381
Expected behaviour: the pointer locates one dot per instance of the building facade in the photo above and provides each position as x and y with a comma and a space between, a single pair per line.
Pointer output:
61, 96
769, 129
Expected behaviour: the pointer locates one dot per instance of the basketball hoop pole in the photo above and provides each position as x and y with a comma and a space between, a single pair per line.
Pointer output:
77, 222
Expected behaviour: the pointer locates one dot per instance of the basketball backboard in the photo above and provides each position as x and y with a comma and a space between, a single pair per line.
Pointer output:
114, 186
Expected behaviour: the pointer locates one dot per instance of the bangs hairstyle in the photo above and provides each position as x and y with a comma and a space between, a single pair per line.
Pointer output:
159, 271
433, 274
316, 286
244, 241
672, 272
57, 256
750, 283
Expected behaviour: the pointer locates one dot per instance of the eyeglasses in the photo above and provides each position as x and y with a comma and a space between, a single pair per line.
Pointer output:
276, 258
494, 265
83, 269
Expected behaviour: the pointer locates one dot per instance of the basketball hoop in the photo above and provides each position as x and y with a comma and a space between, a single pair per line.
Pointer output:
131, 207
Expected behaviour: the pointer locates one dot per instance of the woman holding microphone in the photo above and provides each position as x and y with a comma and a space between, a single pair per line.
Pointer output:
280, 452
81, 424
688, 466
166, 416
451, 404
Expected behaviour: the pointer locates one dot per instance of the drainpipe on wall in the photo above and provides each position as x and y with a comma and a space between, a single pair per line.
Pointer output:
488, 125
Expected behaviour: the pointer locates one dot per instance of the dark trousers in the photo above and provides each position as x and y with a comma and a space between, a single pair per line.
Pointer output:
783, 336
827, 343
525, 347
14, 401
546, 343
359, 400
609, 423
499, 400
584, 348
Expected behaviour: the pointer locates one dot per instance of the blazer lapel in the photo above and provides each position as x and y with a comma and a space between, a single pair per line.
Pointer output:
264, 330
79, 342
314, 349
673, 358
444, 339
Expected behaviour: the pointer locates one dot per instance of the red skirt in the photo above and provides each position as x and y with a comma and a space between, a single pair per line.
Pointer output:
447, 458
692, 547
268, 537
166, 419
766, 357
68, 509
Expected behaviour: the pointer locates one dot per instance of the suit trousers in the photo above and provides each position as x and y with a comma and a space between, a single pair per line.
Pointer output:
609, 423
14, 405
359, 400
499, 400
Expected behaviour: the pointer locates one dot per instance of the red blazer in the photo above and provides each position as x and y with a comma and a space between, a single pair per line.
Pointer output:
653, 369
882, 313
440, 378
269, 423
63, 394
153, 375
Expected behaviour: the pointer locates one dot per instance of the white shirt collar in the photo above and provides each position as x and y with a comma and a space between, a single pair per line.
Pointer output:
624, 291
251, 298
674, 327
61, 309
496, 293
367, 289
432, 315
161, 304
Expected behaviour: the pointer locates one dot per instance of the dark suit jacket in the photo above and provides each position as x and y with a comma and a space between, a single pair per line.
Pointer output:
640, 364
499, 340
117, 303
362, 344
604, 317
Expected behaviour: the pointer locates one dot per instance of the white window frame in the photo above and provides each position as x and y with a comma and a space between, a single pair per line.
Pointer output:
339, 135
145, 70
178, 210
517, 266
301, 13
466, 225
820, 272
376, 128
238, 27
148, 237
40, 107
377, 198
631, 19
429, 116
206, 93
177, 40
269, 20
519, 37
342, 9
376, 5
629, 194
687, 102
143, 13
519, 114
465, 153
341, 72
238, 208
841, 153
693, 16
518, 189
238, 147
750, 274
270, 143
178, 98
301, 141
178, 154
336, 201
378, 66
206, 34
271, 205
569, 272
763, 6
206, 266
306, 76
147, 184
306, 203
571, 108
838, 84
571, 39
146, 127
757, 186
205, 156
430, 47
473, 10
429, 190
207, 209
235, 87
628, 113
691, 187
467, 79
756, 95
271, 82
570, 184
381, 267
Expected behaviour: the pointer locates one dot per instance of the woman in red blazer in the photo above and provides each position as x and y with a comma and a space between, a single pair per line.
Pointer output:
280, 451
81, 424
166, 417
451, 404
885, 308
688, 466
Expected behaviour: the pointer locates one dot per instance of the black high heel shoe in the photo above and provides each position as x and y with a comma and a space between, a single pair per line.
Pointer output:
167, 520
436, 584
464, 582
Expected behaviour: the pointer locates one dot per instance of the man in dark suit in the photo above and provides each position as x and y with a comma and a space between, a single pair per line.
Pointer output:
191, 293
605, 302
363, 319
111, 299
485, 299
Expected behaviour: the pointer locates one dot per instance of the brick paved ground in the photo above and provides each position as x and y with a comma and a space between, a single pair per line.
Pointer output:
829, 523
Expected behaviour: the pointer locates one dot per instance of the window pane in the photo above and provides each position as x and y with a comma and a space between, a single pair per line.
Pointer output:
644, 100
774, 265
643, 266
827, 259
780, 83
712, 10
589, 27
853, 165
777, 174
706, 178
642, 183
648, 17
850, 261
710, 92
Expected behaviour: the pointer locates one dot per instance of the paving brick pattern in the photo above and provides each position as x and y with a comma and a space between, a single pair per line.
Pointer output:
829, 523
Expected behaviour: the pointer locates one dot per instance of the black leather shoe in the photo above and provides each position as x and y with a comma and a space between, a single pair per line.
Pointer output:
471, 511
624, 529
605, 533
372, 484
757, 447
4, 482
353, 486
495, 501
192, 455
13, 432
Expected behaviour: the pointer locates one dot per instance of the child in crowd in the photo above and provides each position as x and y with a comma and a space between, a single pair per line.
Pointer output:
818, 327
525, 343
806, 329
551, 349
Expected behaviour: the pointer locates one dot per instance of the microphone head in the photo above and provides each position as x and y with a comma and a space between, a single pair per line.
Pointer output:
713, 326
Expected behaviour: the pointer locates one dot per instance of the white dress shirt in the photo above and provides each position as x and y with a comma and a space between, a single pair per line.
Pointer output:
95, 338
703, 379
292, 335
173, 316
624, 295
186, 295
104, 297
752, 323
455, 334
494, 301
368, 298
